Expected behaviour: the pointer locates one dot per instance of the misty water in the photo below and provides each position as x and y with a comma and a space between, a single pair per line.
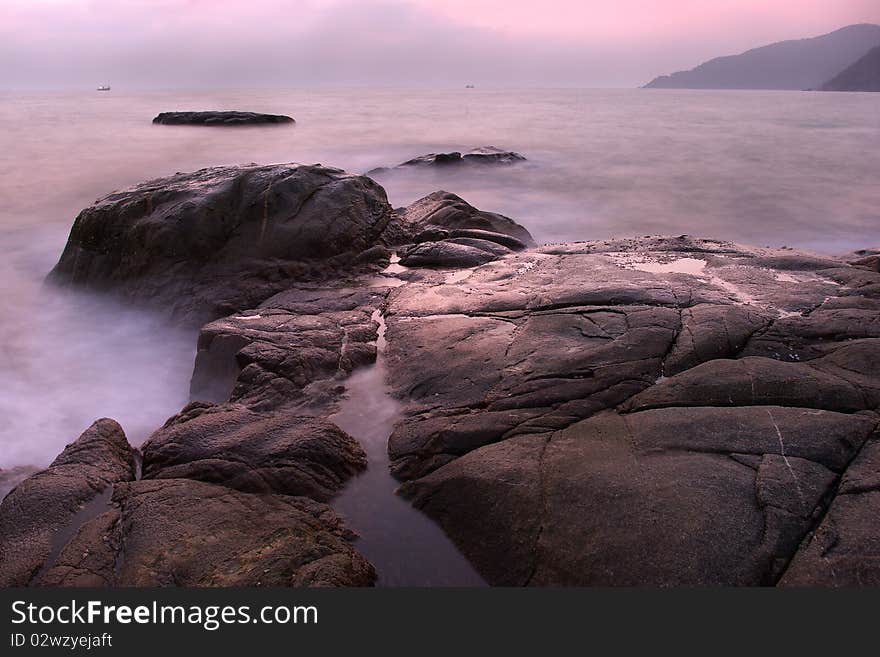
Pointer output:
406, 547
777, 168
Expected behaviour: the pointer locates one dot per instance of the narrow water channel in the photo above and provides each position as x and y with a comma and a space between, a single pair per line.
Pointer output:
406, 547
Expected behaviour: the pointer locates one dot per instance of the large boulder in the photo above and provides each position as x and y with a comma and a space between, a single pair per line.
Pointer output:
204, 244
39, 514
220, 118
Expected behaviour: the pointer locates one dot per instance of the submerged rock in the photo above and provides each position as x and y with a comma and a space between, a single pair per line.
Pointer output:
220, 118
200, 245
482, 156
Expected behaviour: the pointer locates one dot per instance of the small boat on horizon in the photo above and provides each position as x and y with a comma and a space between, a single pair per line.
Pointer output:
104, 87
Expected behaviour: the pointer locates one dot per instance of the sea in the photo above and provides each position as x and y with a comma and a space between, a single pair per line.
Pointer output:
799, 169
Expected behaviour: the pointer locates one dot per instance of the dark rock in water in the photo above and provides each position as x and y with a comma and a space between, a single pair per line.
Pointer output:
179, 532
608, 413
484, 155
220, 118
36, 515
201, 245
444, 210
254, 452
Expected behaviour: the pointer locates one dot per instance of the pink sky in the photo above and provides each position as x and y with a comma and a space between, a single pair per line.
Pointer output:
656, 19
554, 42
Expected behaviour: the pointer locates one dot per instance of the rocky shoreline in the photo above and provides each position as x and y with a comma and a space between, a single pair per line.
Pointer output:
660, 411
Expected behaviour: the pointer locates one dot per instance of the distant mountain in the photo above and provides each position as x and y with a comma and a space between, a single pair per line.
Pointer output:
864, 75
800, 64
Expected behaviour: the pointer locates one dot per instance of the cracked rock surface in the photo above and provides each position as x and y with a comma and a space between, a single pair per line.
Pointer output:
660, 412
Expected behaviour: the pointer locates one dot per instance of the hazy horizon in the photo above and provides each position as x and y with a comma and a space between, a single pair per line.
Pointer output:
168, 44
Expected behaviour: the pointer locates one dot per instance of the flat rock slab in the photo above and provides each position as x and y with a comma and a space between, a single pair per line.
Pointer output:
221, 119
660, 412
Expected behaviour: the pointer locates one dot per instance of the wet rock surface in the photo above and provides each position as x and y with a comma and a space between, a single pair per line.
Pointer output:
35, 515
201, 245
663, 411
220, 118
450, 233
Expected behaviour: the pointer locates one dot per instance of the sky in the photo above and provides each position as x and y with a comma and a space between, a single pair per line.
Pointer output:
70, 44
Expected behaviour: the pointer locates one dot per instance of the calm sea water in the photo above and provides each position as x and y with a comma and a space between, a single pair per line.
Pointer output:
778, 168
